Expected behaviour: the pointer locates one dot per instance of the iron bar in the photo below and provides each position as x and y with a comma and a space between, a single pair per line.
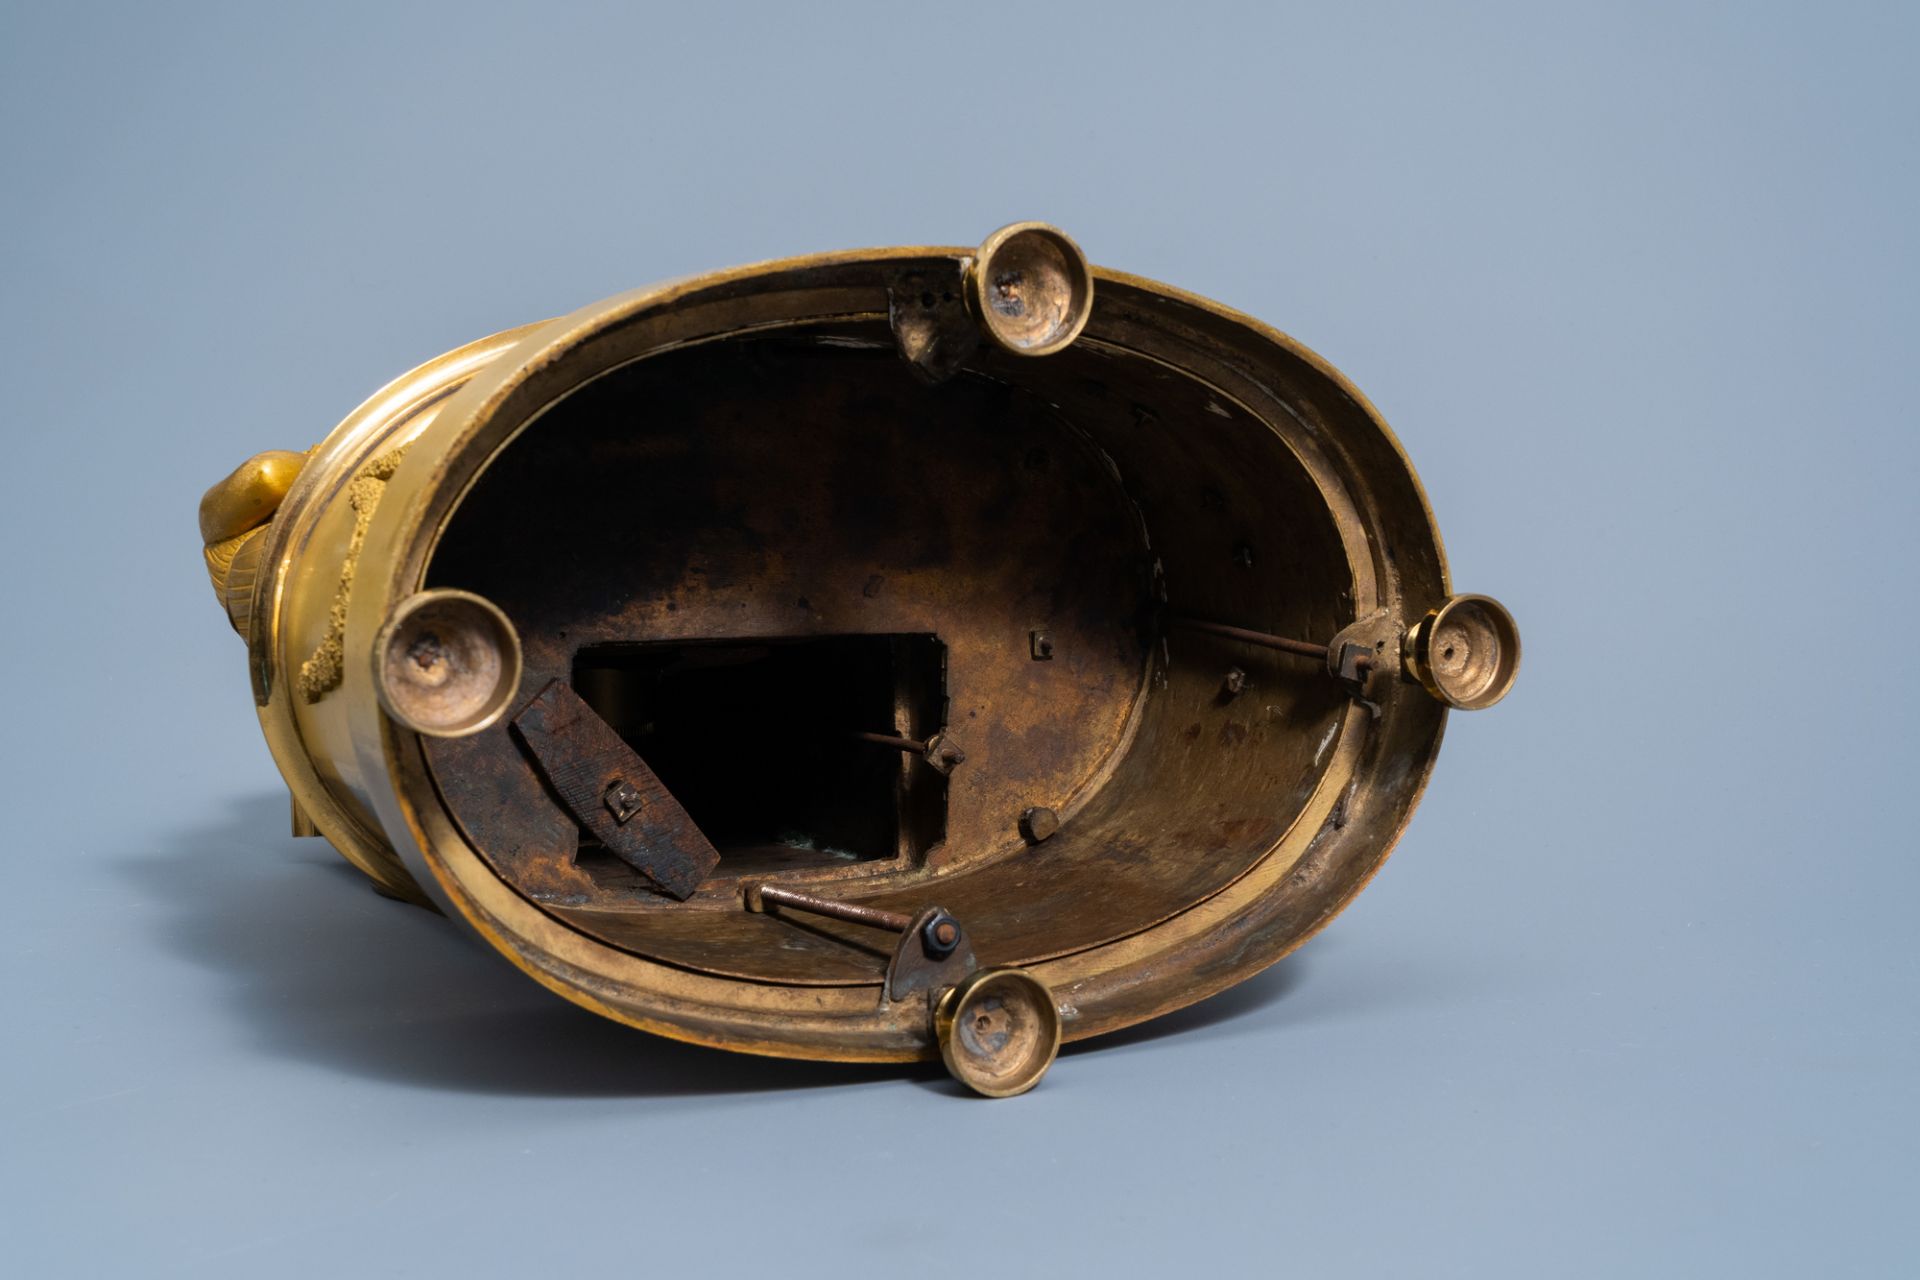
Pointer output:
892, 921
892, 740
1304, 648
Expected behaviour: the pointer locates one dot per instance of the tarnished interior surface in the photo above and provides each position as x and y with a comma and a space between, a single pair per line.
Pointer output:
795, 533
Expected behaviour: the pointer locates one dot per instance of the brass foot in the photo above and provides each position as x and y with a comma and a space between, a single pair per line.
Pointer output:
999, 1031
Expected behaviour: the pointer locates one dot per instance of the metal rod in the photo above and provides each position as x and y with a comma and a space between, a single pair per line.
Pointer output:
1304, 648
890, 740
893, 921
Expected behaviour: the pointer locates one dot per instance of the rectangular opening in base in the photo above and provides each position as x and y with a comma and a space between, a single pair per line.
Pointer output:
758, 739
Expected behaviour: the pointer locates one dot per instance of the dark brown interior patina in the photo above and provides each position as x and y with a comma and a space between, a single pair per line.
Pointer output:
743, 553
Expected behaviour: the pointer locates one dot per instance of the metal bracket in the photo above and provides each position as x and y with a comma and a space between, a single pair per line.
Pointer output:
930, 322
611, 792
933, 953
1361, 651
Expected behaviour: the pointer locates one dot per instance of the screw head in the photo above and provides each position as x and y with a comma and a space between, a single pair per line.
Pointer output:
622, 799
940, 936
944, 754
1039, 823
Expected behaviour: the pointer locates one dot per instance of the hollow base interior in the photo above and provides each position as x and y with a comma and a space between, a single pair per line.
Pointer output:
745, 552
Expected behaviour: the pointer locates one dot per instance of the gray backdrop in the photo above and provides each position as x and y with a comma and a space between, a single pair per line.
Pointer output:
1636, 286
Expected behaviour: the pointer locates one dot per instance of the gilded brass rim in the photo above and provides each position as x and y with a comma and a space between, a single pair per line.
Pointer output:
389, 414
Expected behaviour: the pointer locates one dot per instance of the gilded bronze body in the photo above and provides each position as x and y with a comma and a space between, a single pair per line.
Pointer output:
872, 656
